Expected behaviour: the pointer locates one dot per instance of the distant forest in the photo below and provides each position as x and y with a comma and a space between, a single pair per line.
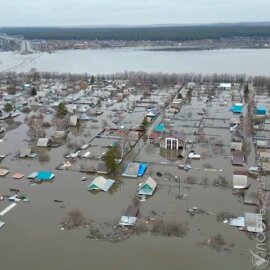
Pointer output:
172, 33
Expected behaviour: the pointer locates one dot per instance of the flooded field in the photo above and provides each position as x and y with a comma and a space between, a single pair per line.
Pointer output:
33, 239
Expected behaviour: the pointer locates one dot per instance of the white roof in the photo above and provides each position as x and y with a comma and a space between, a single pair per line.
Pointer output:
240, 181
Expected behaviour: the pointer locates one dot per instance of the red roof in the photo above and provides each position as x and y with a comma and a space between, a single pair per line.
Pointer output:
153, 136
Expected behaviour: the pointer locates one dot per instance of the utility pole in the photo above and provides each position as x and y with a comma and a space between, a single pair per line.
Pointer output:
176, 178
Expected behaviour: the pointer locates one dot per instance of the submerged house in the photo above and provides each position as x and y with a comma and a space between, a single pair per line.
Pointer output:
148, 187
44, 176
134, 169
237, 108
251, 222
175, 141
130, 216
44, 142
27, 152
101, 183
240, 181
238, 159
261, 110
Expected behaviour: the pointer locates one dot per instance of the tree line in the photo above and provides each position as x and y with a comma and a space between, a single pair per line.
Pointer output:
136, 77
172, 33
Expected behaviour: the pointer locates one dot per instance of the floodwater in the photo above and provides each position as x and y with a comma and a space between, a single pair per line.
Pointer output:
106, 61
32, 237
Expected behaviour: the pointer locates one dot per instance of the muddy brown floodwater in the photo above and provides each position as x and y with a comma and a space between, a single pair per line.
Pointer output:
32, 237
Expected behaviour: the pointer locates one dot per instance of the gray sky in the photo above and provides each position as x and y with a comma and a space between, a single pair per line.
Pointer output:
129, 12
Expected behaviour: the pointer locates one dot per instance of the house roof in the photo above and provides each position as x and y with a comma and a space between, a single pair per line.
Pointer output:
101, 183
43, 142
44, 176
253, 222
25, 152
265, 155
148, 187
132, 211
102, 168
240, 181
251, 197
238, 158
153, 136
73, 120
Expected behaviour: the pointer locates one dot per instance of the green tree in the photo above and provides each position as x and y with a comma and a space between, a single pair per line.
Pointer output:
62, 110
33, 92
92, 80
8, 107
110, 160
246, 90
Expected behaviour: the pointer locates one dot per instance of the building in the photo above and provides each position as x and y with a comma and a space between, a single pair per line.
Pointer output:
238, 159
175, 141
160, 128
73, 120
130, 216
237, 108
261, 110
44, 142
148, 187
101, 183
225, 86
44, 176
240, 181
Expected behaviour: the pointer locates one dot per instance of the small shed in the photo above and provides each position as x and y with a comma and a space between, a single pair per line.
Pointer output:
237, 108
240, 181
148, 187
45, 176
236, 146
73, 120
130, 216
44, 142
261, 110
101, 183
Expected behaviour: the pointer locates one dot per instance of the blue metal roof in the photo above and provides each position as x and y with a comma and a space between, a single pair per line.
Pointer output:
45, 176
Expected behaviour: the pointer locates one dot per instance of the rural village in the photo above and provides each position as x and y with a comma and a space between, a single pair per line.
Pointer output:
117, 158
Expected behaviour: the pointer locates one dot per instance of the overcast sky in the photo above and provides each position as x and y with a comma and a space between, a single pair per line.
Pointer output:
129, 12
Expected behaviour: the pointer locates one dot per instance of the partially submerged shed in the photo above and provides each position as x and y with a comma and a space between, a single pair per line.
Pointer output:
45, 176
44, 142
